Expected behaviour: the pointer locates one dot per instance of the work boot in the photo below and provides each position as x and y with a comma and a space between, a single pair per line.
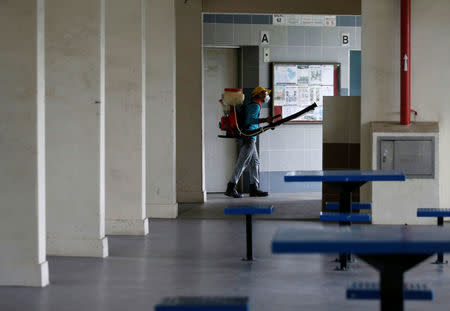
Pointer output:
232, 192
255, 192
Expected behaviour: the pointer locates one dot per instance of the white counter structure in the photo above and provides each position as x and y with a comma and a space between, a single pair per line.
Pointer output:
414, 149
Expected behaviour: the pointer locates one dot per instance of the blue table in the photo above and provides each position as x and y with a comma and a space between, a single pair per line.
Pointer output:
345, 181
392, 250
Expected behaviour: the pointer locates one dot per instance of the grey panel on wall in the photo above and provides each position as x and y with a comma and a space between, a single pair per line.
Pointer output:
242, 19
224, 34
313, 54
335, 54
331, 54
344, 77
353, 39
357, 39
209, 33
346, 20
313, 36
278, 35
279, 54
242, 34
264, 76
261, 19
296, 53
296, 35
224, 18
331, 36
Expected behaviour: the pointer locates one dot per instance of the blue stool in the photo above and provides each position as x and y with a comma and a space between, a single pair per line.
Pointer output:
248, 211
356, 206
370, 290
203, 304
440, 213
348, 217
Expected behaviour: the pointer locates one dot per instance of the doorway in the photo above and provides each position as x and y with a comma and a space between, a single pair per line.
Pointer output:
221, 70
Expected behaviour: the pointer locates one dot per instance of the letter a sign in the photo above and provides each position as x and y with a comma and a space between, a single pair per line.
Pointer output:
265, 39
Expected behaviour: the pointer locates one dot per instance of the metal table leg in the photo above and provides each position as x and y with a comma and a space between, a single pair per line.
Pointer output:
345, 206
391, 269
440, 256
249, 230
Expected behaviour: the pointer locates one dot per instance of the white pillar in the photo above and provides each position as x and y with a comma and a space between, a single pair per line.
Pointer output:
161, 149
125, 117
22, 144
75, 128
190, 136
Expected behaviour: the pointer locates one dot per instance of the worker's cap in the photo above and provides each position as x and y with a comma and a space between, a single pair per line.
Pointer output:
258, 90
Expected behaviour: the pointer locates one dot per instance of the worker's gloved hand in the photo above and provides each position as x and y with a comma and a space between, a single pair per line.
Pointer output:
269, 119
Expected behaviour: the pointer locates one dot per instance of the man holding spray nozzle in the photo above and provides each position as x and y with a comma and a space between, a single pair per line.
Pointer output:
248, 155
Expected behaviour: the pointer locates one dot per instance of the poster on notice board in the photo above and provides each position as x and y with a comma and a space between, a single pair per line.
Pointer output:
298, 85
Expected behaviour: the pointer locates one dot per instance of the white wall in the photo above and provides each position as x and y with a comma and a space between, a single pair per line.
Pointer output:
22, 147
161, 111
75, 123
220, 72
125, 117
292, 147
430, 71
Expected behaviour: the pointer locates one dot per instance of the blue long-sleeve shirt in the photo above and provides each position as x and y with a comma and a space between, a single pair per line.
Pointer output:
252, 112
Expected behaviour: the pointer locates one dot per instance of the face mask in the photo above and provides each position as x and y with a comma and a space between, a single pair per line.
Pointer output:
267, 99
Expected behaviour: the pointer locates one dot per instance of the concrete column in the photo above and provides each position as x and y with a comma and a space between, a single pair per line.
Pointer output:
161, 168
189, 79
75, 128
125, 117
22, 144
380, 73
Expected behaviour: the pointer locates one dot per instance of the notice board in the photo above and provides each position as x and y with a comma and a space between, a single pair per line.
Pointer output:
298, 85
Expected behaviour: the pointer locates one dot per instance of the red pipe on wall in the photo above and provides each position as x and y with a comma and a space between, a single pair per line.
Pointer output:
405, 70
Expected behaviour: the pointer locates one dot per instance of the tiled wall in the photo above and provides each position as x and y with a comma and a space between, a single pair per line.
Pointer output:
293, 146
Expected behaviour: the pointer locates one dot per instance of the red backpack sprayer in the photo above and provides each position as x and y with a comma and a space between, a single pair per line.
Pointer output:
232, 121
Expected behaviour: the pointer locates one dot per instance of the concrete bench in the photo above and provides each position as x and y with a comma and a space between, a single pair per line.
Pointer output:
440, 213
249, 211
203, 304
334, 206
371, 290
348, 217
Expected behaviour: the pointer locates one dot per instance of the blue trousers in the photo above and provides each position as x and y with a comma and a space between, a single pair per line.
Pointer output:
248, 157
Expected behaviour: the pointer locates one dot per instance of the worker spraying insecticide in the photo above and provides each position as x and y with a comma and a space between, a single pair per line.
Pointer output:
242, 122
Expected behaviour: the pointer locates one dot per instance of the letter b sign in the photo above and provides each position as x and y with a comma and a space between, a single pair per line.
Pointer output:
345, 41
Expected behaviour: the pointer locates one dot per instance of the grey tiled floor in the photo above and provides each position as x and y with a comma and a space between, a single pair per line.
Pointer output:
305, 206
202, 257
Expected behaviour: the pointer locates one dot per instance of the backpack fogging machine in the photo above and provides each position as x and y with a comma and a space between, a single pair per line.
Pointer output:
234, 113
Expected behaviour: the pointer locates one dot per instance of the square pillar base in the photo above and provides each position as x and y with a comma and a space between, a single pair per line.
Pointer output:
78, 247
24, 274
127, 227
169, 211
